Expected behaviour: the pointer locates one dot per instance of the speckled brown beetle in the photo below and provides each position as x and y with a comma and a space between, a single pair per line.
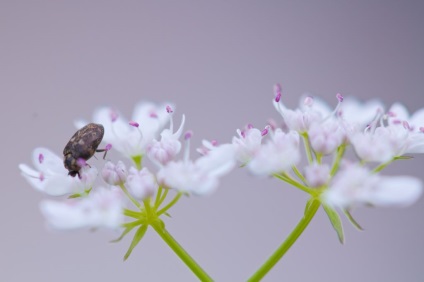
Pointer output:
82, 145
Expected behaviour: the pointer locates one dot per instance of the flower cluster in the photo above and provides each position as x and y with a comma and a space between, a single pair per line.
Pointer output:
134, 196
93, 205
377, 137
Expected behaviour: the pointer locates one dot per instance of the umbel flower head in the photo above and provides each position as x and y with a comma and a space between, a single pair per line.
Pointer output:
376, 137
129, 196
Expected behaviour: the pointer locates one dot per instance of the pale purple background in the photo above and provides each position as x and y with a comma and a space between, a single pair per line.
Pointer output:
217, 62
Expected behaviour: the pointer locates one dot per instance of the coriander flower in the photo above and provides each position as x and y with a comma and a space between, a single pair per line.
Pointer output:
141, 184
247, 143
51, 177
317, 174
376, 146
383, 143
200, 177
359, 114
278, 154
114, 174
310, 111
169, 145
327, 136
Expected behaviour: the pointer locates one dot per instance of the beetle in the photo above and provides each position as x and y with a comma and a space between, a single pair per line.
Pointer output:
82, 145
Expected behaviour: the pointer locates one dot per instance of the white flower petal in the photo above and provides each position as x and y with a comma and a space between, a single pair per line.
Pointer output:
358, 114
415, 144
277, 155
187, 177
417, 120
102, 208
33, 177
400, 112
46, 161
57, 185
373, 148
318, 105
52, 178
151, 117
247, 144
218, 161
356, 185
396, 191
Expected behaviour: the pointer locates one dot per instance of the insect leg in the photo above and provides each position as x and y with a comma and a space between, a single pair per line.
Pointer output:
102, 150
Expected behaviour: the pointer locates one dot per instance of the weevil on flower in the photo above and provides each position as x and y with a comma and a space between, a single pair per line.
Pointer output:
82, 146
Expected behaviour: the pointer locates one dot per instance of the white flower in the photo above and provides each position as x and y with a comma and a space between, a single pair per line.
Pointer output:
317, 174
219, 160
51, 177
168, 147
357, 114
276, 155
187, 177
114, 174
141, 184
317, 105
128, 139
300, 119
355, 185
200, 177
247, 144
387, 142
374, 146
101, 208
327, 136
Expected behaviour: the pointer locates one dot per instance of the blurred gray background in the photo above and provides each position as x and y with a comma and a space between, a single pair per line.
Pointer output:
217, 61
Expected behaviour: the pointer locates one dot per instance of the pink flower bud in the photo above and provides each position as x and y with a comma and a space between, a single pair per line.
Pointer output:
114, 174
141, 184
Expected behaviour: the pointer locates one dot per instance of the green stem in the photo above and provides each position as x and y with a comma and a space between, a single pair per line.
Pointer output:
147, 207
163, 197
180, 252
158, 195
308, 148
340, 152
285, 177
285, 246
382, 166
170, 204
299, 174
